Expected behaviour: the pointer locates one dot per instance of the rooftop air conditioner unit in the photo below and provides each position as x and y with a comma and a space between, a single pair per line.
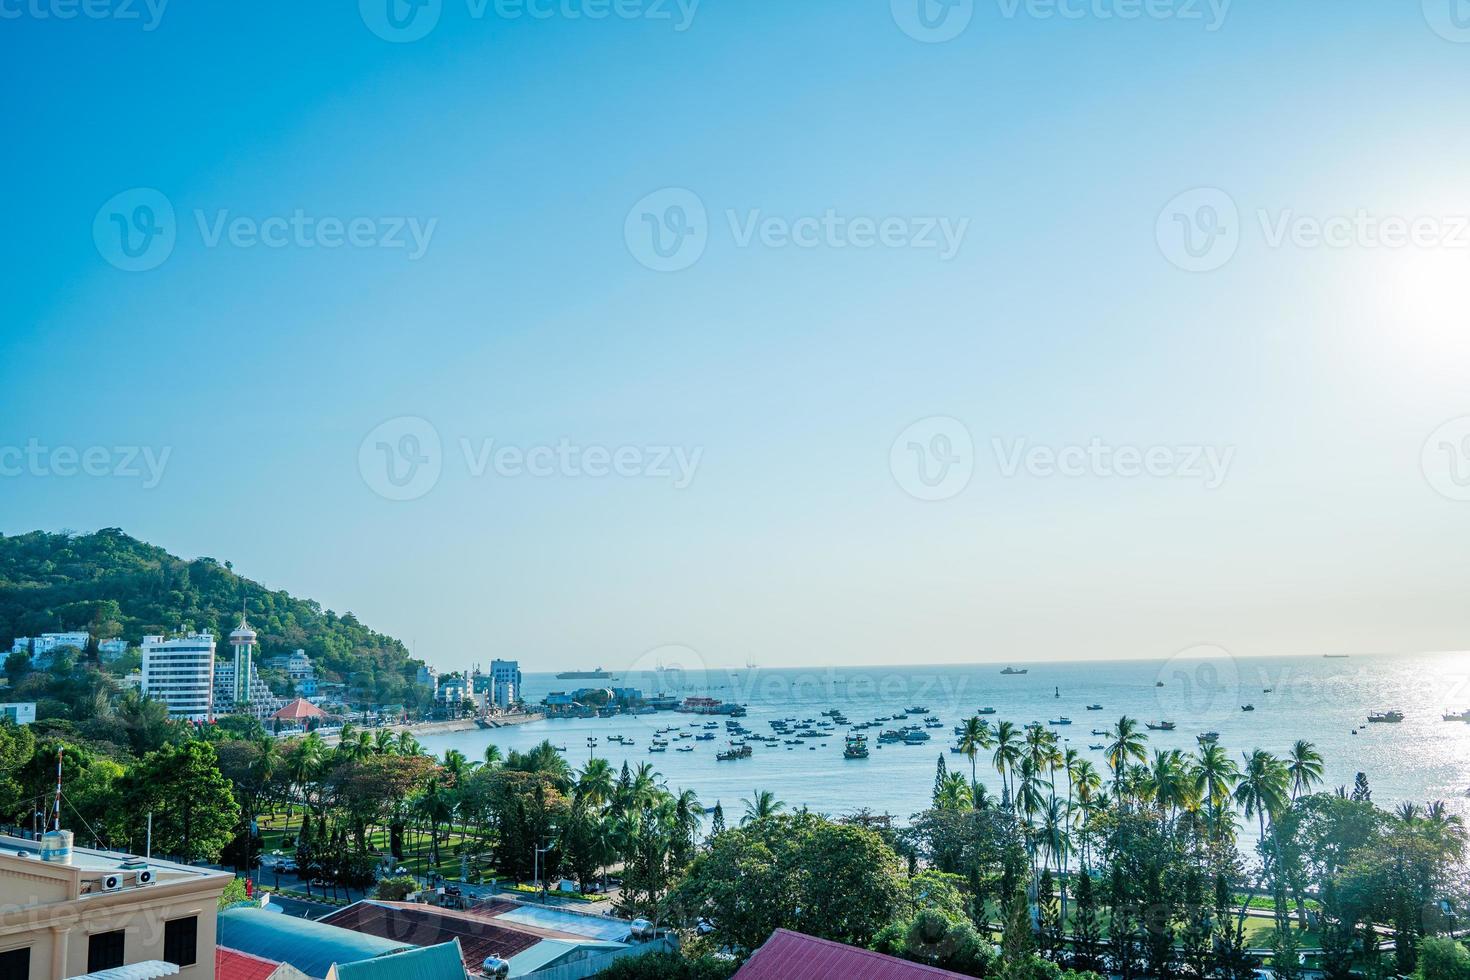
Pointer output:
111, 883
145, 877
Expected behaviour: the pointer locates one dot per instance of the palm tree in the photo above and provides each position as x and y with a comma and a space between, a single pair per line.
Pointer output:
407, 744
492, 756
385, 742
595, 782
456, 764
1304, 764
764, 804
1215, 776
953, 793
1007, 755
1263, 792
975, 735
1128, 743
303, 764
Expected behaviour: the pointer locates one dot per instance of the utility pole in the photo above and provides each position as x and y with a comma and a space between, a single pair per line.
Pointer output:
148, 850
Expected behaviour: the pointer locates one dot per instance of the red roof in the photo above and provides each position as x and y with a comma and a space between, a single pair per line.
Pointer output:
231, 964
795, 956
298, 710
421, 925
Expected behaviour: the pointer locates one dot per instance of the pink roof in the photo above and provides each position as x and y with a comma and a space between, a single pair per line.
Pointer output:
232, 964
795, 956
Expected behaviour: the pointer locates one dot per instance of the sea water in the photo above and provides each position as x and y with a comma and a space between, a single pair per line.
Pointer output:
1325, 701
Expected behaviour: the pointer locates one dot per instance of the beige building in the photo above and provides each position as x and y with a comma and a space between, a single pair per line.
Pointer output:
71, 911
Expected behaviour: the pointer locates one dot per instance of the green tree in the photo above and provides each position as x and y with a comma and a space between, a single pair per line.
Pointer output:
194, 813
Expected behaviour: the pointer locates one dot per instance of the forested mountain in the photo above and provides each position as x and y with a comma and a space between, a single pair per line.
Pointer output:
112, 584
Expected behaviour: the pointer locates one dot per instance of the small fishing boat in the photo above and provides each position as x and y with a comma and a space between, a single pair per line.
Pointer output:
1010, 671
1158, 683
985, 711
1094, 707
1096, 748
735, 752
1064, 720
917, 710
1386, 717
1456, 715
658, 748
1098, 731
1208, 738
685, 748
1247, 707
1160, 726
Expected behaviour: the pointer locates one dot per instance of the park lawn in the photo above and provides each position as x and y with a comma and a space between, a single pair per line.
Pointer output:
275, 828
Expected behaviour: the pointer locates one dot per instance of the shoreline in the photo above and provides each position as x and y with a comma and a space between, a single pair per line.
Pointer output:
446, 727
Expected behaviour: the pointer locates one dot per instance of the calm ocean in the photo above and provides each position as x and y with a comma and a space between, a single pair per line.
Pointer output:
1323, 700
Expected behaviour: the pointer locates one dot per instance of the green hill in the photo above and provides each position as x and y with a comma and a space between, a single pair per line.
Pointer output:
112, 585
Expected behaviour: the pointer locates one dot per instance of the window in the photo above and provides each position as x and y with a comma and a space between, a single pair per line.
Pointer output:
104, 950
15, 964
180, 939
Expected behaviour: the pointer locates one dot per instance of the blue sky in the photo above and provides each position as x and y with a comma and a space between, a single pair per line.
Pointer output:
521, 148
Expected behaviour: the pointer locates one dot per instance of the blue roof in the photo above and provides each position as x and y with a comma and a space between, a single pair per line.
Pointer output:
441, 962
310, 947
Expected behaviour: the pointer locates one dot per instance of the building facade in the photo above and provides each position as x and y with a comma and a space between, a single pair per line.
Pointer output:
20, 712
180, 673
43, 648
82, 911
505, 683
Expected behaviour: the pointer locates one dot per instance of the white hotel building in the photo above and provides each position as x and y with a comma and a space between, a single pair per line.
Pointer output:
180, 672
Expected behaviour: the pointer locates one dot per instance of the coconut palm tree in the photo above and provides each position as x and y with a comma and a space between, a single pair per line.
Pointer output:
1007, 756
1215, 776
1128, 743
953, 793
492, 756
975, 736
385, 742
762, 805
1304, 765
595, 783
407, 744
1263, 792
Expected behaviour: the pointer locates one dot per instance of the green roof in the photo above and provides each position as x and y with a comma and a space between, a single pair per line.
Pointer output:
442, 962
310, 947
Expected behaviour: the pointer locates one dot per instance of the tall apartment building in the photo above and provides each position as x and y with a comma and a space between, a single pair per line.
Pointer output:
505, 682
180, 672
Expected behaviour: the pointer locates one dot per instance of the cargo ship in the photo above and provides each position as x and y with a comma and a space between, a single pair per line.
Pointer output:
584, 675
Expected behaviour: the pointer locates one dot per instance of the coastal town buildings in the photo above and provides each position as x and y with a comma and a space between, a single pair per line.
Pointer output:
72, 911
180, 673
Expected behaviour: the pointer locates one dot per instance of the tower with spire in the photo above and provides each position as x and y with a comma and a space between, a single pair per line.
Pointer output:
242, 641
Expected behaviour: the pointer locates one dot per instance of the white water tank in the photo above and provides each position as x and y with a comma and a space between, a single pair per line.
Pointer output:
56, 846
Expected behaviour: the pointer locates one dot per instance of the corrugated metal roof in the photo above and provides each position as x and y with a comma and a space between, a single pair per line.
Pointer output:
311, 947
795, 956
234, 964
146, 970
442, 962
421, 925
